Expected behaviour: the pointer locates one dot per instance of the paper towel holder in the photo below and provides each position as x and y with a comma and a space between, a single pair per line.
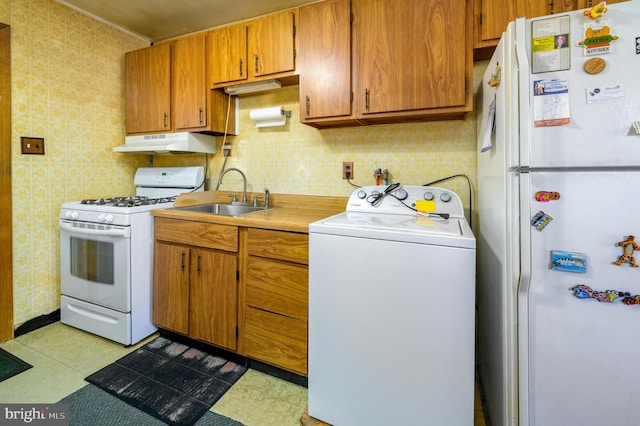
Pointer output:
269, 117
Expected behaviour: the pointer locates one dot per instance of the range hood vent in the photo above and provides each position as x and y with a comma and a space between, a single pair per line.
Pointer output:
168, 143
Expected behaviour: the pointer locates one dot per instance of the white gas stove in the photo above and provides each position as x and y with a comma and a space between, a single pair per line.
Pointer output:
106, 255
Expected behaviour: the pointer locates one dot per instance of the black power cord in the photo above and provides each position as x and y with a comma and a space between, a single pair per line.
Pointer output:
470, 192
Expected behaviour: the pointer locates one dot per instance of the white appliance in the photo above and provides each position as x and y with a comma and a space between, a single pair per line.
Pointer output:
106, 255
558, 185
391, 310
168, 143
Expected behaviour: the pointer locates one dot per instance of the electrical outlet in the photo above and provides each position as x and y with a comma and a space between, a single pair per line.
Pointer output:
347, 168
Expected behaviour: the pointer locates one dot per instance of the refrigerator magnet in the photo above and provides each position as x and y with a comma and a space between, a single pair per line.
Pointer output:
540, 220
496, 76
628, 247
546, 196
594, 66
597, 11
597, 38
568, 261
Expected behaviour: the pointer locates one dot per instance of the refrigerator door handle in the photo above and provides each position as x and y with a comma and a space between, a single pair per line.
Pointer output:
524, 284
522, 60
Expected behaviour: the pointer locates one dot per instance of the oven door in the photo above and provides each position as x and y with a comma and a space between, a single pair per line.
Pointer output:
95, 263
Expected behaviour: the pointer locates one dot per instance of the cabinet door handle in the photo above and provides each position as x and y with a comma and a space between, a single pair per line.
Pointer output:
165, 120
255, 63
198, 263
182, 266
551, 7
200, 115
240, 67
307, 105
366, 99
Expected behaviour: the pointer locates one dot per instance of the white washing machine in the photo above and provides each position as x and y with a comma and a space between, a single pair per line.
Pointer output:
391, 310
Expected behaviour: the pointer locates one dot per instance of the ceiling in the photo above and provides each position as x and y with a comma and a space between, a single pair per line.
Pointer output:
156, 20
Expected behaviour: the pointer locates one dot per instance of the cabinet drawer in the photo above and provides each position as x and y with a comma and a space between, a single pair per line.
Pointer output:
276, 340
288, 246
277, 287
222, 237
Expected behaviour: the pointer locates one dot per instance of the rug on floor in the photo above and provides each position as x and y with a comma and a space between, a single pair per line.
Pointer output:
91, 405
10, 365
171, 381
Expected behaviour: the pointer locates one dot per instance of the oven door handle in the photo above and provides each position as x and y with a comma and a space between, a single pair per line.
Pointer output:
114, 232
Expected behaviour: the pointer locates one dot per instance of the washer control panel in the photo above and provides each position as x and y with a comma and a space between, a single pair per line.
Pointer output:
398, 199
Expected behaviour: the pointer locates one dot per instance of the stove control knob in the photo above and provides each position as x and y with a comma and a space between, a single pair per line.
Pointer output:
401, 194
362, 194
108, 218
71, 214
429, 196
445, 197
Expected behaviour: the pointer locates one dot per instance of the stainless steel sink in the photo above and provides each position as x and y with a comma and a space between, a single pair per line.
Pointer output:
222, 209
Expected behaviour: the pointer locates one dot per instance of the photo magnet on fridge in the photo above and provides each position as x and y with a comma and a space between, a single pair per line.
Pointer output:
568, 261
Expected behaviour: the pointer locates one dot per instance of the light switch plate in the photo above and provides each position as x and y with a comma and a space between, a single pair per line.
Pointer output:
32, 145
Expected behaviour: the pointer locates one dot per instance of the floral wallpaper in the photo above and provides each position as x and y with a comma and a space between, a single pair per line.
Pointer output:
67, 86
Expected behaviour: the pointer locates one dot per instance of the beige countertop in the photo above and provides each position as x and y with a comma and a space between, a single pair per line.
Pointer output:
289, 212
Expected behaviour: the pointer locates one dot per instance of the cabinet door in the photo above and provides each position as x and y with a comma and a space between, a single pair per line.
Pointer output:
545, 7
189, 83
276, 340
272, 44
214, 297
228, 54
495, 15
171, 287
278, 287
148, 89
410, 54
325, 60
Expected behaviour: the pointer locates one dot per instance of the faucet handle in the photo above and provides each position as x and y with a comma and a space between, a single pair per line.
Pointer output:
233, 197
255, 200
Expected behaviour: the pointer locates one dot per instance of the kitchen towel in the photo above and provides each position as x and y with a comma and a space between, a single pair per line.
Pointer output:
268, 117
169, 380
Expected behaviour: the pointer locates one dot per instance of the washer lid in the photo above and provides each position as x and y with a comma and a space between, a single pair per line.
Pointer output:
394, 227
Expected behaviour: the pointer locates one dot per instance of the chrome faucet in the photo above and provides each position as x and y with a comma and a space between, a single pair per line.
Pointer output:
266, 198
244, 187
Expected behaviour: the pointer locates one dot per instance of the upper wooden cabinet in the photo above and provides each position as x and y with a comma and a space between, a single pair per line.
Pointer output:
228, 54
189, 83
167, 89
148, 89
272, 44
196, 107
259, 49
411, 61
410, 55
325, 60
492, 16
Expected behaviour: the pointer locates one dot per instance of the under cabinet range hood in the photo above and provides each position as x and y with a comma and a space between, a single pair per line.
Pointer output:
168, 143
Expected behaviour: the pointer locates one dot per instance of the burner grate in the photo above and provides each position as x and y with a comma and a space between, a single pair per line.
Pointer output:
132, 201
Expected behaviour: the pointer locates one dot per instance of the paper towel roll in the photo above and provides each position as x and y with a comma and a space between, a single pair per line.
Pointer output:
268, 117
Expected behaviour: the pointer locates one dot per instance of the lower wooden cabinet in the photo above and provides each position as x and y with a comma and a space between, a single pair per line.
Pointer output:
195, 288
276, 299
242, 289
276, 339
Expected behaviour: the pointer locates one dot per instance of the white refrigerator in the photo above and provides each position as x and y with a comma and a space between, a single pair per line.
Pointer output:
559, 206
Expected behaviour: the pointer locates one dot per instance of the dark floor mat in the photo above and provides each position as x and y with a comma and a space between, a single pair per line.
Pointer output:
90, 405
10, 365
169, 380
